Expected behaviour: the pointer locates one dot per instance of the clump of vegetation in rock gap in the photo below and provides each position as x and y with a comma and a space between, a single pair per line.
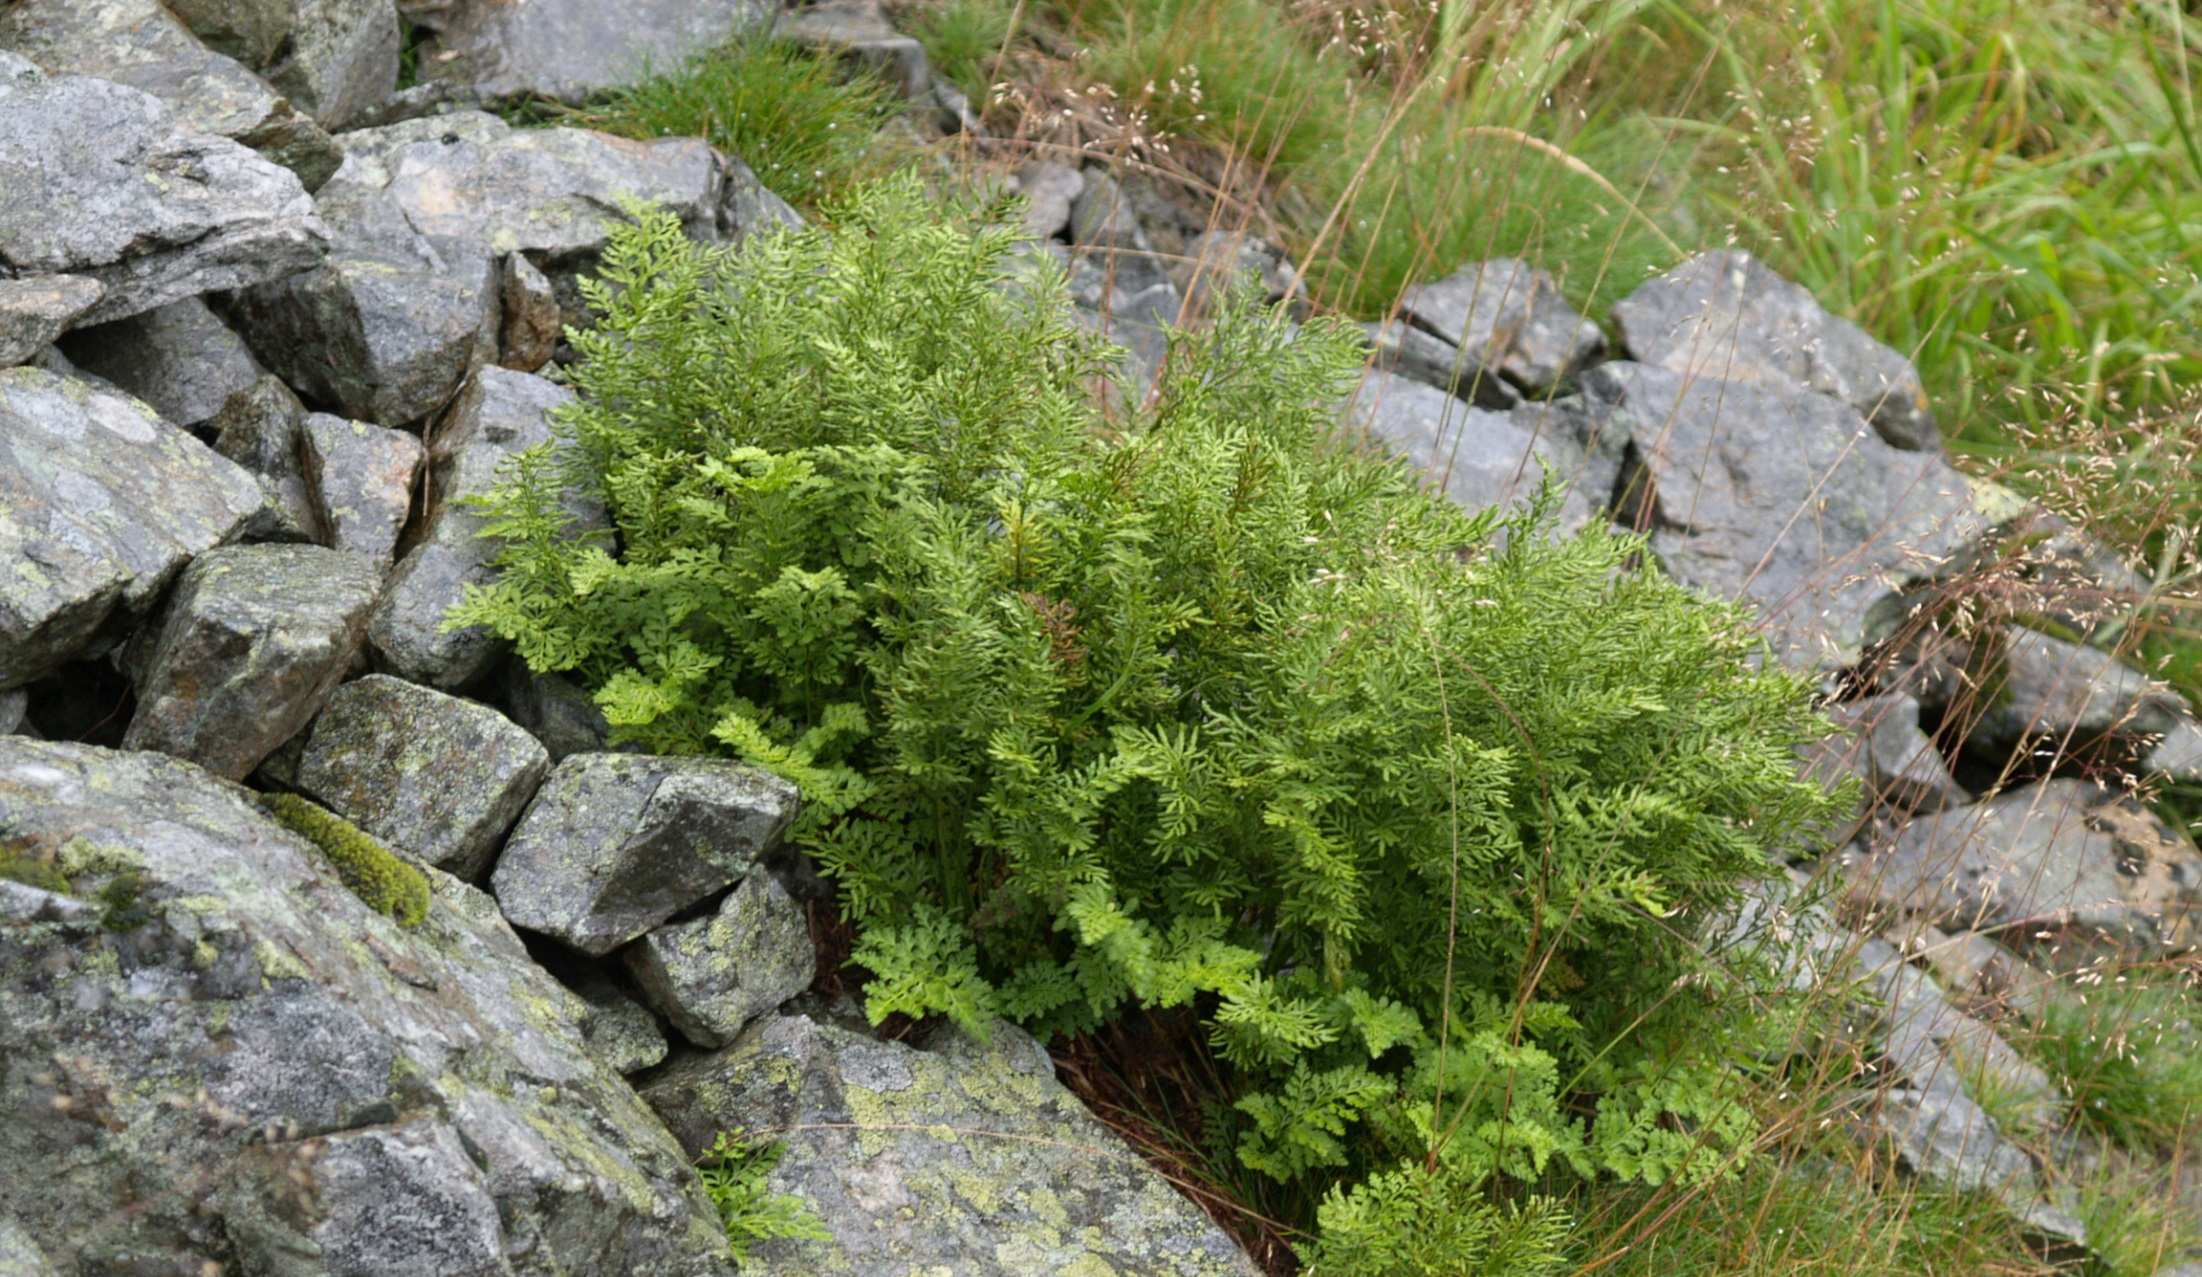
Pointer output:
374, 873
1417, 809
807, 128
733, 1172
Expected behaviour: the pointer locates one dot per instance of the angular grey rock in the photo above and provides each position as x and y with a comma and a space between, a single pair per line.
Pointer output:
615, 844
1475, 457
1101, 216
2179, 754
2061, 859
421, 213
499, 413
1758, 490
748, 207
1215, 261
436, 777
98, 179
713, 975
1399, 347
360, 480
1933, 1053
532, 320
959, 1158
1049, 190
1880, 740
179, 358
242, 1023
554, 709
35, 310
261, 428
335, 58
1508, 319
101, 503
19, 1255
568, 50
2043, 692
13, 705
858, 30
1724, 316
140, 43
254, 639
619, 1029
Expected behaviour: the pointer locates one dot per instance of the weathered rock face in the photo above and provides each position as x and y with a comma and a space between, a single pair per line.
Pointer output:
554, 709
714, 975
212, 1052
1725, 317
180, 359
335, 58
1477, 458
531, 320
19, 1255
959, 1158
619, 1029
489, 51
253, 641
2035, 689
859, 31
100, 180
101, 503
498, 414
2062, 857
434, 776
142, 44
1049, 190
615, 844
1504, 319
421, 213
1881, 742
34, 311
1757, 490
259, 428
359, 478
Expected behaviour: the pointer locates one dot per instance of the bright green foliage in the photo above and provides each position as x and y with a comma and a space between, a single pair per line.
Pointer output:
733, 1172
2130, 1057
373, 872
962, 40
1416, 806
806, 128
42, 874
1408, 1222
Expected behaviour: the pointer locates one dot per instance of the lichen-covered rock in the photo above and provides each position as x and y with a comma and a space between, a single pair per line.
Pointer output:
101, 503
569, 50
499, 413
2063, 859
615, 844
35, 310
254, 639
1506, 319
259, 428
1724, 316
180, 359
1475, 457
713, 975
19, 1255
1762, 491
101, 180
335, 58
960, 1158
211, 1052
421, 214
2031, 690
619, 1029
359, 477
140, 43
438, 777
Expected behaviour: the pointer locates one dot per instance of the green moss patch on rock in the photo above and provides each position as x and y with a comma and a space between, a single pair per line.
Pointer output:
374, 873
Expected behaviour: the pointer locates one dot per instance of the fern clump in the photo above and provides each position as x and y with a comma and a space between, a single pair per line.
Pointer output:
734, 1171
374, 873
1208, 708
